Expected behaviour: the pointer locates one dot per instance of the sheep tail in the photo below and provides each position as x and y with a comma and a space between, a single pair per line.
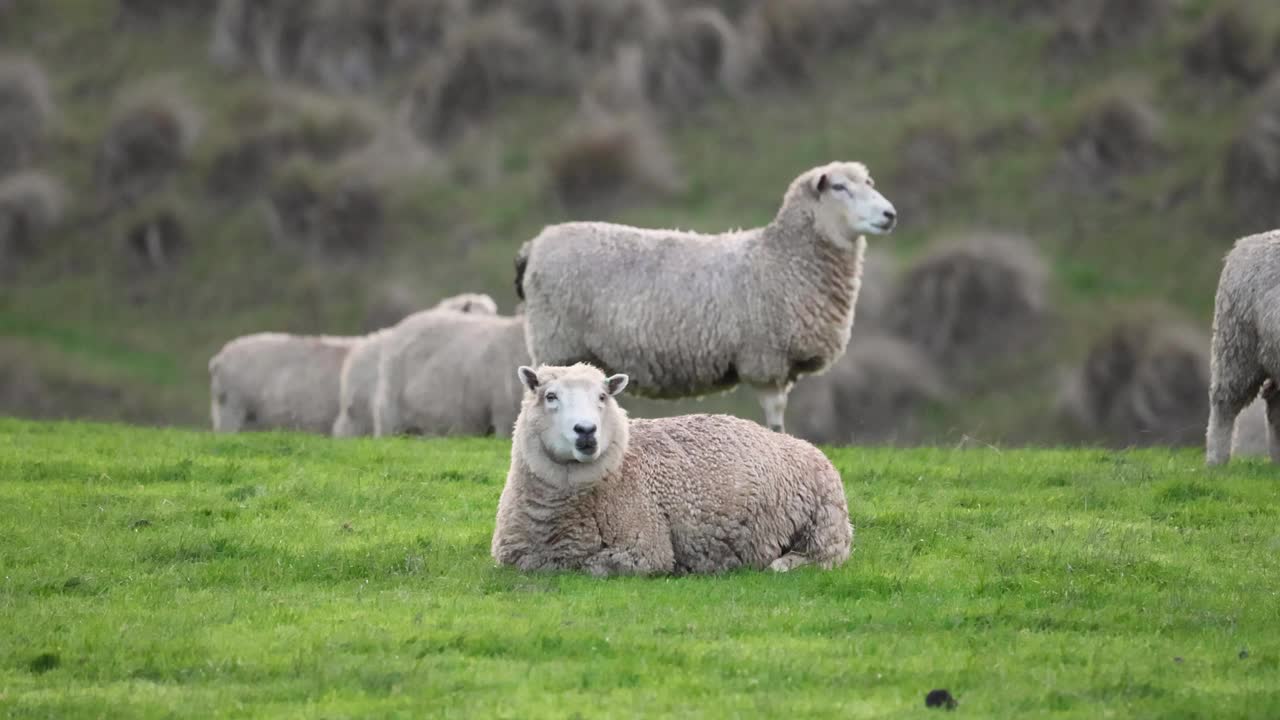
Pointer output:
522, 263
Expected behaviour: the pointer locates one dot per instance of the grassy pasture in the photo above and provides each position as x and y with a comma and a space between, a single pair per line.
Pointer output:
166, 573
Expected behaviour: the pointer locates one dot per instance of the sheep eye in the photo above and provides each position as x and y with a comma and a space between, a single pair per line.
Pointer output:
840, 187
551, 397
603, 397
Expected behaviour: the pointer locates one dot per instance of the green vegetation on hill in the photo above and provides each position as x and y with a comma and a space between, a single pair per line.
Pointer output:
150, 573
1108, 155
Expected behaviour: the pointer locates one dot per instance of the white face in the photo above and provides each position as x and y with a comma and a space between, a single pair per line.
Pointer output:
574, 418
849, 205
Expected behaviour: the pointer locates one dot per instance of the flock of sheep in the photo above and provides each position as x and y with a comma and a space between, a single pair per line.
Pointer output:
672, 314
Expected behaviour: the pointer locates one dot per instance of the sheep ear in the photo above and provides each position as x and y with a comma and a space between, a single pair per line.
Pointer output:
529, 377
616, 383
821, 184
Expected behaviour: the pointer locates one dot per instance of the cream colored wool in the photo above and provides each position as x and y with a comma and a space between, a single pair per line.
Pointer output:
360, 371
277, 381
1245, 351
448, 373
686, 314
687, 494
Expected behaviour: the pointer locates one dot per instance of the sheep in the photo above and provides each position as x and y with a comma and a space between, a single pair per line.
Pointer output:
440, 373
359, 376
685, 314
590, 490
282, 381
1245, 351
277, 381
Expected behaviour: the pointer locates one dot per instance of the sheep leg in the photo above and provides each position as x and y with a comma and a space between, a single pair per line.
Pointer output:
1227, 398
790, 561
774, 403
1271, 395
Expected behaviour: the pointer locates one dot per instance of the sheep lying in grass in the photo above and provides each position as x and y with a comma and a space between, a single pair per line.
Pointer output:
685, 314
360, 370
1245, 352
590, 490
277, 381
448, 373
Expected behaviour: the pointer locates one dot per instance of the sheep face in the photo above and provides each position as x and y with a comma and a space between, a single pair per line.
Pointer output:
572, 411
848, 204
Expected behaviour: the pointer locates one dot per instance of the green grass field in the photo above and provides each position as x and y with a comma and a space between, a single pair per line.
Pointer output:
164, 573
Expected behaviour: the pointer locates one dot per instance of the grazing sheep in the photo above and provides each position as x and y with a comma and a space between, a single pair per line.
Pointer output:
448, 373
360, 370
590, 490
1245, 352
685, 314
277, 381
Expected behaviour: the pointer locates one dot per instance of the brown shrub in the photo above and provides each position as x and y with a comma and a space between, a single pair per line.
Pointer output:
490, 58
1144, 382
419, 28
1233, 43
1251, 172
156, 237
874, 395
1117, 131
270, 130
1087, 26
25, 112
265, 34
970, 300
931, 163
606, 158
324, 212
148, 139
790, 35
31, 205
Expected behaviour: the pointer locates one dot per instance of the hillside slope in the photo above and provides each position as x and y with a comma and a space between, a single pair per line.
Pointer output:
1119, 160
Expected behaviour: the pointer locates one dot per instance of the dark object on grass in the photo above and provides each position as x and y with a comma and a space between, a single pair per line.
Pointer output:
44, 662
940, 699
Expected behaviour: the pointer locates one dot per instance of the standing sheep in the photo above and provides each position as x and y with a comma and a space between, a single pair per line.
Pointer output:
1245, 352
277, 381
446, 373
685, 314
590, 490
360, 370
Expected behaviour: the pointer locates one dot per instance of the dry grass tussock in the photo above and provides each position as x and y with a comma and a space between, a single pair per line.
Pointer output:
791, 35
270, 129
1117, 131
155, 236
148, 139
874, 395
26, 110
485, 61
1235, 43
31, 205
322, 211
1144, 382
606, 158
972, 299
1086, 26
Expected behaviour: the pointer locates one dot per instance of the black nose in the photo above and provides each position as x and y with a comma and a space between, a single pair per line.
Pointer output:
890, 215
585, 429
